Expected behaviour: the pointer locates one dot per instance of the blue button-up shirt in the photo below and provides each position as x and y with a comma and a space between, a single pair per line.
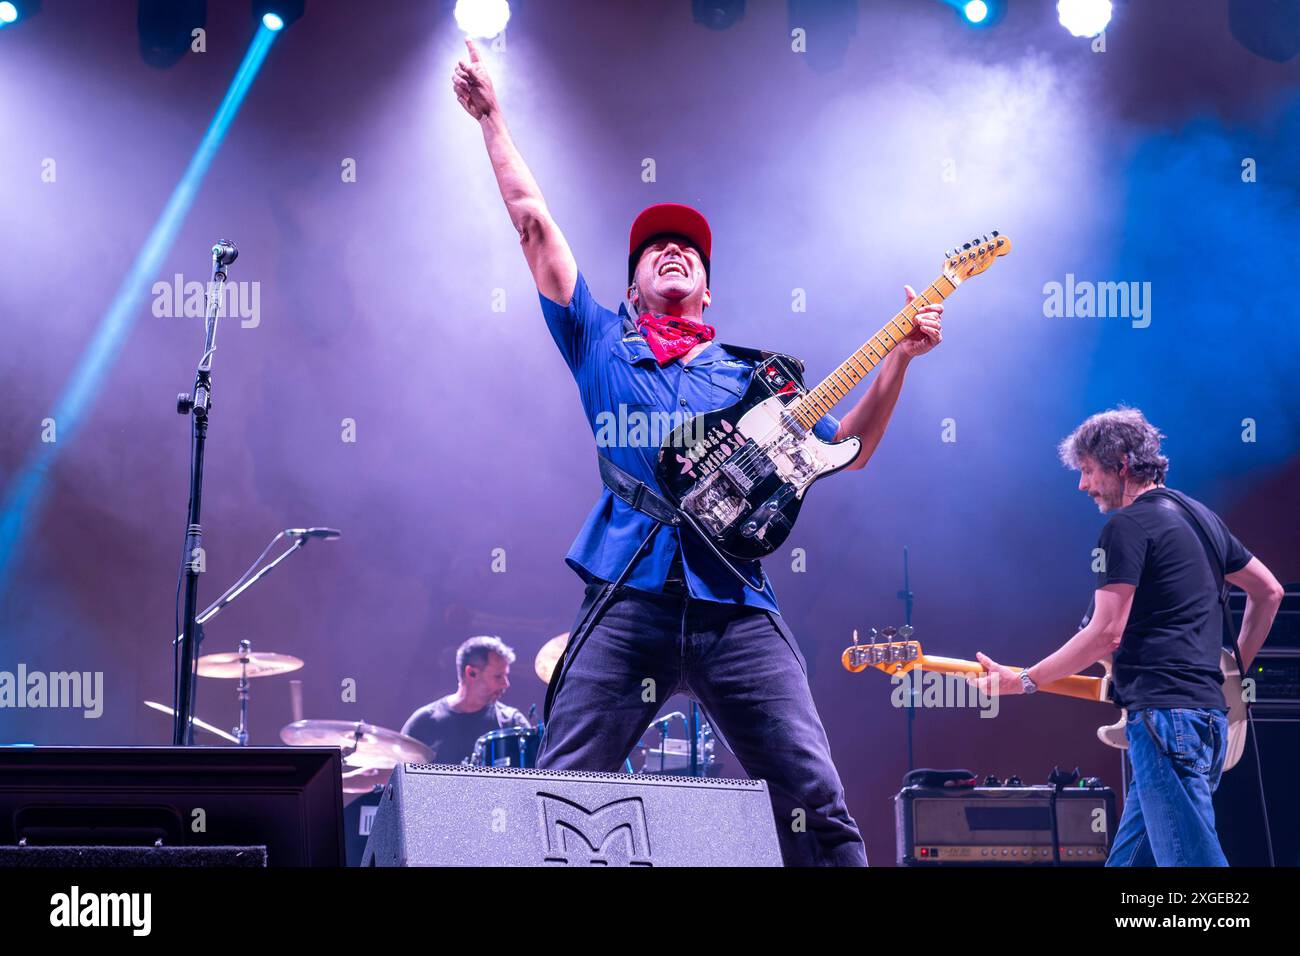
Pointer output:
632, 405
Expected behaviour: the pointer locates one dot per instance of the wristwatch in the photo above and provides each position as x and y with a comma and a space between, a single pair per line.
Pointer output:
1027, 683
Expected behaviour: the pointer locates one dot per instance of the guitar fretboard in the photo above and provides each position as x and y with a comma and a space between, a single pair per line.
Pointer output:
820, 400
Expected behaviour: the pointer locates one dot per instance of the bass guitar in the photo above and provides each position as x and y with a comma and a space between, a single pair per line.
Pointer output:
900, 657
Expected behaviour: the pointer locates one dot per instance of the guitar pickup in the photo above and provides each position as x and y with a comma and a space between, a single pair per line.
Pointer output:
747, 468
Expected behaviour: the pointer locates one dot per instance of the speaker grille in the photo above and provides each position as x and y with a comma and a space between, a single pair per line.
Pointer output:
593, 775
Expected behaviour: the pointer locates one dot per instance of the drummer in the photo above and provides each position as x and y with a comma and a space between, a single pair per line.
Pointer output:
451, 725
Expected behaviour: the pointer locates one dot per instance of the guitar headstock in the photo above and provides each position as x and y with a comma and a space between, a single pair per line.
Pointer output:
890, 655
972, 258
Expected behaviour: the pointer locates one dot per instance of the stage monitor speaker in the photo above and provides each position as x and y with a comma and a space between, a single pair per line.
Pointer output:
1237, 815
438, 815
287, 800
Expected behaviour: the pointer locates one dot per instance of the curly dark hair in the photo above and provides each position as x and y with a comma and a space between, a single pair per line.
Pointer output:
1116, 437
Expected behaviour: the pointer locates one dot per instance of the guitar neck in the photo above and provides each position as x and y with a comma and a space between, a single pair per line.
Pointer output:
1077, 685
820, 400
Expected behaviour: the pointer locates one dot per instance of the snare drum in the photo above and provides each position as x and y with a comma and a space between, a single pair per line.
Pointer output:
507, 747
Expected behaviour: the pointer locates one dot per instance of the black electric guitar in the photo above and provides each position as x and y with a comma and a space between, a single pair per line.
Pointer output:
739, 474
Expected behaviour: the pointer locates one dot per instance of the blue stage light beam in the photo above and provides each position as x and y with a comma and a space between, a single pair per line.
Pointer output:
26, 488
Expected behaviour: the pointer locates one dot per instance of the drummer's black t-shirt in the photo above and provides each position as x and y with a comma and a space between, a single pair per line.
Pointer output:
451, 735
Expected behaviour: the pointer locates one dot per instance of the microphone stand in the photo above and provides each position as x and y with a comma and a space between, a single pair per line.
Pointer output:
198, 405
239, 587
906, 596
693, 733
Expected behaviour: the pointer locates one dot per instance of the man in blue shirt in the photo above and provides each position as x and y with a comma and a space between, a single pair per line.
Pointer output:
681, 621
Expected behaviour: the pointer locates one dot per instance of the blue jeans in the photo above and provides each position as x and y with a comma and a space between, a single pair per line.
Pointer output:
742, 665
1168, 820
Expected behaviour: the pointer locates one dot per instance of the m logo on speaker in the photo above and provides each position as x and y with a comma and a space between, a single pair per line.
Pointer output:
611, 835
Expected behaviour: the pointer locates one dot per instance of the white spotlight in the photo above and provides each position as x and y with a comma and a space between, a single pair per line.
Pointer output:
482, 18
1084, 18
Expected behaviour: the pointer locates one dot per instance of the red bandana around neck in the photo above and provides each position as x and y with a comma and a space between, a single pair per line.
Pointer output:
671, 336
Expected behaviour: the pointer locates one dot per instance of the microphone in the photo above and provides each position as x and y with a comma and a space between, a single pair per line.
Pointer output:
224, 252
328, 534
665, 719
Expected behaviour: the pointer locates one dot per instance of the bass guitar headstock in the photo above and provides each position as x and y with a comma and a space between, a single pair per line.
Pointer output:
890, 655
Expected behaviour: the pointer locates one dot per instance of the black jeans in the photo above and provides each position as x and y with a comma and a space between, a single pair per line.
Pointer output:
743, 667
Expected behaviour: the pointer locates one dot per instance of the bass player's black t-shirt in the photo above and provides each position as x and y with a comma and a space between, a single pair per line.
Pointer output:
1169, 656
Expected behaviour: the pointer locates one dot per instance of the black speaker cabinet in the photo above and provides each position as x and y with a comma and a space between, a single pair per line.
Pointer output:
437, 815
202, 806
1237, 815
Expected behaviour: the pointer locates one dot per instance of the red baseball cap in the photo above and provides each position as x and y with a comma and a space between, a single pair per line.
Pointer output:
674, 218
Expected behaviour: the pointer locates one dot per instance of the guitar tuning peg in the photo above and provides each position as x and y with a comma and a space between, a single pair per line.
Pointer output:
966, 246
873, 632
995, 233
906, 631
855, 637
986, 238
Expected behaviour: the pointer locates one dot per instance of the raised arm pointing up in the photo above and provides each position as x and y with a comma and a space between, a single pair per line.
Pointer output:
549, 257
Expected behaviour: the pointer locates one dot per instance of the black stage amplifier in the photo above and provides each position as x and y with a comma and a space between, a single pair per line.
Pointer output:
1003, 826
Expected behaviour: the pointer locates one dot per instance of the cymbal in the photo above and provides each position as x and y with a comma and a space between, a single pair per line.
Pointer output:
363, 745
201, 724
365, 779
260, 664
550, 654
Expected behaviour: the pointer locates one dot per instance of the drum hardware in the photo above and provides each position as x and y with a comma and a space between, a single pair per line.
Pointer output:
241, 665
677, 756
200, 724
507, 747
245, 581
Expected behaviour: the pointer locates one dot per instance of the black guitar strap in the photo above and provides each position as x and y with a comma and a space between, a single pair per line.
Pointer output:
648, 502
1218, 563
1218, 566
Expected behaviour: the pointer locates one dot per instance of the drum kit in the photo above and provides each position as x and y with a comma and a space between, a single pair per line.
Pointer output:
370, 752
